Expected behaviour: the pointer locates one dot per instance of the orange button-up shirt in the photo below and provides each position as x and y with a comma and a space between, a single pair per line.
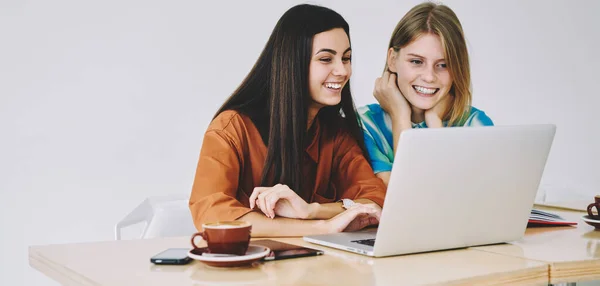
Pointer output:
232, 160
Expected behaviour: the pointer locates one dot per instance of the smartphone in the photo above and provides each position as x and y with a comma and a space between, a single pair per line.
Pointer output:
172, 256
282, 250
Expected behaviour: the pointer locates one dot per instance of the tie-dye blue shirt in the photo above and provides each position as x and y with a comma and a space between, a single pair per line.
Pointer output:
377, 130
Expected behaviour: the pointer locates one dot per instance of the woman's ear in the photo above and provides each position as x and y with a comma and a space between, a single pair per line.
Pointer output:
391, 60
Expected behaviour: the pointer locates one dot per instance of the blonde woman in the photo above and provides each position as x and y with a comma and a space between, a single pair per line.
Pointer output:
426, 83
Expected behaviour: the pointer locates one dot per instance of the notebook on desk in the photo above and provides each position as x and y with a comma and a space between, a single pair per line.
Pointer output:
454, 188
539, 218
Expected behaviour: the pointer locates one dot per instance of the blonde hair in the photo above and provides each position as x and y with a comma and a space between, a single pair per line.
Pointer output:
440, 20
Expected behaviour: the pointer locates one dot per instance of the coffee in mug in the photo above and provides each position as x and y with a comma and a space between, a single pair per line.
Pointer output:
225, 237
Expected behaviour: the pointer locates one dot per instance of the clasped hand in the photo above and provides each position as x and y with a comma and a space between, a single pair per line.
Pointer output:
282, 201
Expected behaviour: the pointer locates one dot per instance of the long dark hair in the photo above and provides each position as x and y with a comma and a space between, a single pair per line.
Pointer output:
275, 94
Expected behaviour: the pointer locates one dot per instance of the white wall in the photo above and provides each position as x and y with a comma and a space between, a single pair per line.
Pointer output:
103, 103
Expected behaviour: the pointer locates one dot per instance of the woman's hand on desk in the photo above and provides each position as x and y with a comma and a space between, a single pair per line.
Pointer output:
355, 218
282, 201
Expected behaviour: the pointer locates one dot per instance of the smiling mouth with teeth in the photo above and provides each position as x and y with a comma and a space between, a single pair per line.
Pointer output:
334, 86
425, 91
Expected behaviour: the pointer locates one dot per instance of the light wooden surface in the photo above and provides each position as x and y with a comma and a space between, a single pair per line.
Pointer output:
573, 253
580, 205
127, 263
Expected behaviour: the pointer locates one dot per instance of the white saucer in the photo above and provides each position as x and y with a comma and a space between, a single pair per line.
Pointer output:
254, 253
587, 218
593, 222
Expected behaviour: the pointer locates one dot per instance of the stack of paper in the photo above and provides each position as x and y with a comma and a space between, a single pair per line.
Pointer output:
542, 218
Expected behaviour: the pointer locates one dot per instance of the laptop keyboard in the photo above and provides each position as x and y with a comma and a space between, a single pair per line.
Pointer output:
369, 242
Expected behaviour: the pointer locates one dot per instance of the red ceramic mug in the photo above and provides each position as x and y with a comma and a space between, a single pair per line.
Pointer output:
595, 204
225, 237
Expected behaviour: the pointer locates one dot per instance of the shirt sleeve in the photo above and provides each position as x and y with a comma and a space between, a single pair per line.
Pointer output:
374, 137
215, 185
353, 175
379, 161
479, 118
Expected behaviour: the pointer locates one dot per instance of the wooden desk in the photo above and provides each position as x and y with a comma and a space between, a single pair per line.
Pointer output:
580, 205
127, 263
573, 253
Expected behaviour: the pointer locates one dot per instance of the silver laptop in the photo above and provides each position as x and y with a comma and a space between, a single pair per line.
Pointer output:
455, 188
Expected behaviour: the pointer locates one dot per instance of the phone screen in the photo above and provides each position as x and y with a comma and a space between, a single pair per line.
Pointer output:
172, 256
